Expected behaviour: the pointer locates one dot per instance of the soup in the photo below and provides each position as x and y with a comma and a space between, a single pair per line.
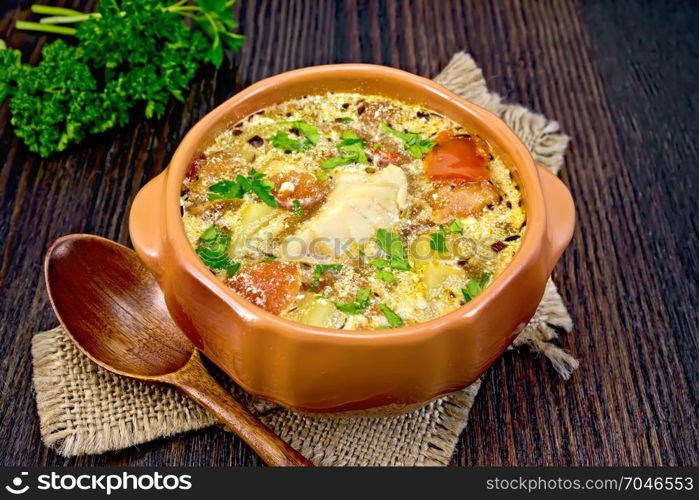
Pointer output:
352, 211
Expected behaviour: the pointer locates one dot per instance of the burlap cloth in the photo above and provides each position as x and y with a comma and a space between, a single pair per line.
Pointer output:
84, 409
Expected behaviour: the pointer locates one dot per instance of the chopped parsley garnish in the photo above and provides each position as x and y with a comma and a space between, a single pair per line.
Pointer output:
346, 120
456, 226
323, 268
337, 161
393, 246
438, 242
475, 287
351, 149
282, 140
213, 248
255, 183
321, 175
381, 272
393, 319
417, 146
298, 209
386, 276
358, 305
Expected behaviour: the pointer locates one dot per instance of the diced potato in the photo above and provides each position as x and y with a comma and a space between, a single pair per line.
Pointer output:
246, 223
253, 216
316, 312
420, 252
438, 277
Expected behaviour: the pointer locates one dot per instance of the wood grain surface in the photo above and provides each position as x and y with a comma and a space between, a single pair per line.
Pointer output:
622, 80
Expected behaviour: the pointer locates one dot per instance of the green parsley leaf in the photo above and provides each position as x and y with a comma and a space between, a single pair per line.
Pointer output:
310, 132
381, 272
346, 120
321, 175
456, 226
225, 190
323, 268
337, 161
438, 242
417, 146
393, 319
281, 139
298, 209
475, 287
209, 234
262, 189
358, 305
393, 246
213, 251
352, 151
255, 182
386, 276
380, 263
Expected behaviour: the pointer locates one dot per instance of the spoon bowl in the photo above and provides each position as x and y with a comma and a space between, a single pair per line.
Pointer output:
114, 310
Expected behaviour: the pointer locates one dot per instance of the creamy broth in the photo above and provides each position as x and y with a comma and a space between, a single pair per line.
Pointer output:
352, 211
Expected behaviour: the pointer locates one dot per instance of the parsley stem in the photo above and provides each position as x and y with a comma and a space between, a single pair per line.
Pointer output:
55, 11
46, 28
69, 19
179, 10
174, 6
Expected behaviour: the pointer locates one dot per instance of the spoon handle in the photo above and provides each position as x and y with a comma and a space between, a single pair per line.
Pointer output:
195, 381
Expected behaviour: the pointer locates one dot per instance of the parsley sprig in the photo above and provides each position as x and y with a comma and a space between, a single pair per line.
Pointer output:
255, 182
393, 319
381, 267
417, 146
475, 286
391, 244
128, 53
282, 140
213, 251
456, 226
351, 149
438, 241
298, 208
356, 306
323, 268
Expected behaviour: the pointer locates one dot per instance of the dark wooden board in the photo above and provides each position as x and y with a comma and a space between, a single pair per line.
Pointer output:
622, 80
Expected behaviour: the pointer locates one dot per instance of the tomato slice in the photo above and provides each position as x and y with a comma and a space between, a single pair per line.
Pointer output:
271, 285
295, 185
384, 157
462, 200
458, 157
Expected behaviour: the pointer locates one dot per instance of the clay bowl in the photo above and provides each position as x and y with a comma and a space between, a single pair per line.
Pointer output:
322, 370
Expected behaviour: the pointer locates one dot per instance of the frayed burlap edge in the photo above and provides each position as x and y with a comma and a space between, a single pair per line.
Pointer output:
84, 409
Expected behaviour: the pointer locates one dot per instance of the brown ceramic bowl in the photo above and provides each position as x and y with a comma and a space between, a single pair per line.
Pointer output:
321, 370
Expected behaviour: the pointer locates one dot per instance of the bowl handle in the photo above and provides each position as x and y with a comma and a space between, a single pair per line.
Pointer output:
560, 214
147, 223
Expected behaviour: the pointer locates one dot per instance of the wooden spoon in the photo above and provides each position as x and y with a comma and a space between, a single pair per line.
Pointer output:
115, 312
